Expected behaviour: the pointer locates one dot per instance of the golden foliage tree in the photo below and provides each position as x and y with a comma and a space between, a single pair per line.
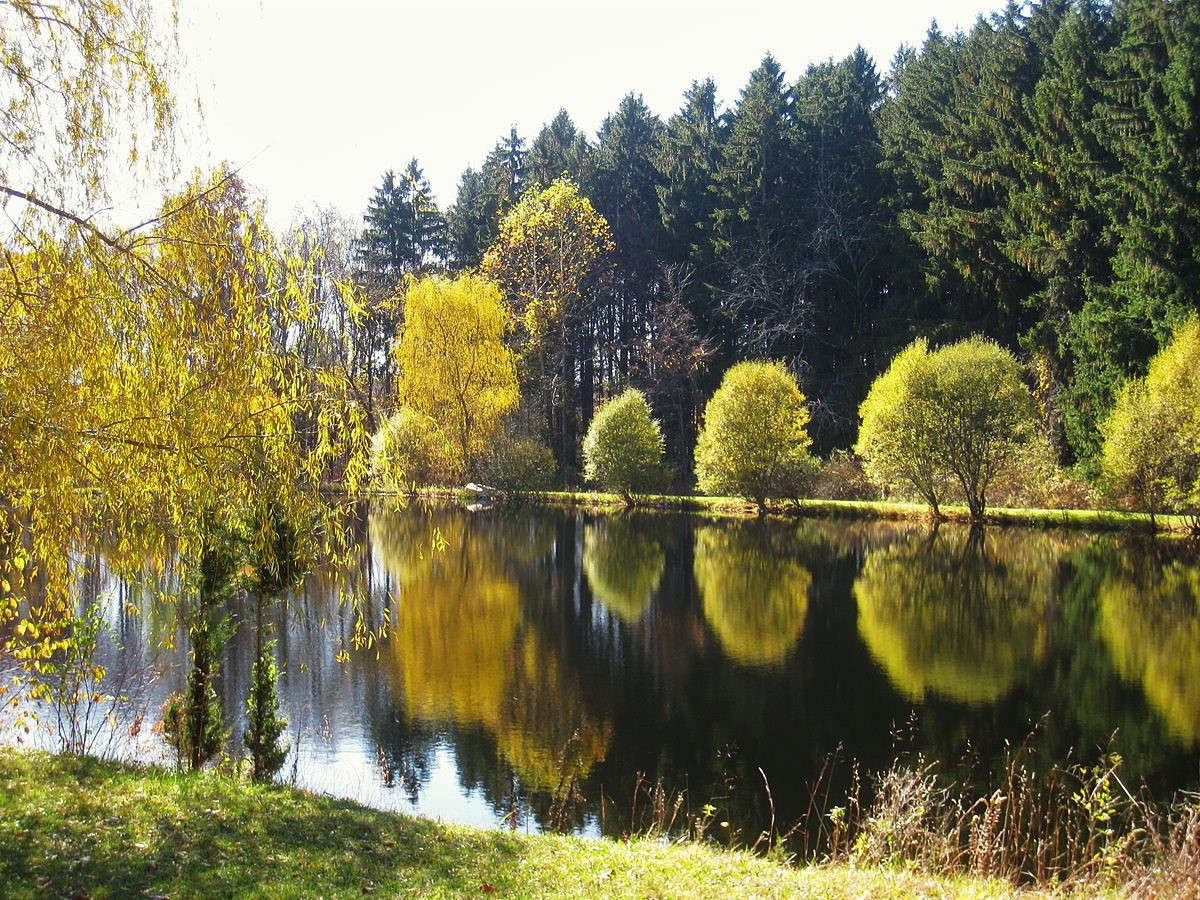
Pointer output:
551, 254
454, 364
754, 442
957, 415
1151, 448
149, 391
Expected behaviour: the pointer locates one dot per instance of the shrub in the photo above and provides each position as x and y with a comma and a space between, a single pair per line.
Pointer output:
623, 448
409, 449
841, 477
265, 726
518, 465
754, 442
1151, 450
958, 415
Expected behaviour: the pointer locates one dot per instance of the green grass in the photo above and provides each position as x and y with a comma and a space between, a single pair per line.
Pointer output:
79, 827
1083, 519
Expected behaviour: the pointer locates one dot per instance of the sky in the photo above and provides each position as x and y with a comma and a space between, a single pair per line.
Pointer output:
314, 101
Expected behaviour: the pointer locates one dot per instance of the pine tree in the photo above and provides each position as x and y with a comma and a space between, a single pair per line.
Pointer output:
264, 724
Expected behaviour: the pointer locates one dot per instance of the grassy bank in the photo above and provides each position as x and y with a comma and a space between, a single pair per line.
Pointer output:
1081, 519
77, 827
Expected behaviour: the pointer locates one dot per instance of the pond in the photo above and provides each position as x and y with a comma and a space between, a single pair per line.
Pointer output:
530, 667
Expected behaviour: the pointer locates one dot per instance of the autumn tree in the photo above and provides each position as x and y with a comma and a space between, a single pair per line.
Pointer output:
754, 442
454, 364
144, 382
1151, 449
404, 237
623, 448
955, 415
549, 261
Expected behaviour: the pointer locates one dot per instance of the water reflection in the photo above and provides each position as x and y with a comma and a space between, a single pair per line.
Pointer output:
624, 564
753, 589
461, 653
956, 613
1149, 616
473, 666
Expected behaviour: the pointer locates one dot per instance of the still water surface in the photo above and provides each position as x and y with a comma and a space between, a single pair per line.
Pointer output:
544, 652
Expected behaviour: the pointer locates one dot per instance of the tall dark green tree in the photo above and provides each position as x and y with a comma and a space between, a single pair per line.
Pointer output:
759, 221
484, 198
624, 189
1146, 117
844, 262
559, 150
1057, 229
691, 154
404, 235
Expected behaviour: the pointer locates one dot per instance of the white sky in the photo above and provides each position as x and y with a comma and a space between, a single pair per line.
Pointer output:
315, 100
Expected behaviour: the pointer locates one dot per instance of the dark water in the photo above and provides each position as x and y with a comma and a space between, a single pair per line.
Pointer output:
535, 654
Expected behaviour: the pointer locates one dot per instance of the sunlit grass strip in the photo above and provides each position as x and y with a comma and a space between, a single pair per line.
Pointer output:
73, 826
1085, 519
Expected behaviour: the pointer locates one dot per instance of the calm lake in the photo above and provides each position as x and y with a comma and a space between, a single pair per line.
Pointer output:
475, 665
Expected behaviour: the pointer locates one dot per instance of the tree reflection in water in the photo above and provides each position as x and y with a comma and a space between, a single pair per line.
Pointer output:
624, 564
462, 656
954, 612
1149, 616
754, 592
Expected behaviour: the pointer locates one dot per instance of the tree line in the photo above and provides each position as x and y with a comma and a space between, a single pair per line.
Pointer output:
1032, 180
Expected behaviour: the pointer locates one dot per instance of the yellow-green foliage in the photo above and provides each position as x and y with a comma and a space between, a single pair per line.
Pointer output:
623, 565
1150, 619
623, 448
550, 245
454, 364
754, 442
754, 591
956, 415
408, 449
1152, 436
941, 615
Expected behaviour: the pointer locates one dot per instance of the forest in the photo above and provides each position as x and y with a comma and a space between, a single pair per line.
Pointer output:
1033, 181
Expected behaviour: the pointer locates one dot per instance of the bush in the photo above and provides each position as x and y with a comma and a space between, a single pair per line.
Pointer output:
841, 477
754, 442
519, 465
623, 448
408, 450
956, 416
263, 737
1151, 450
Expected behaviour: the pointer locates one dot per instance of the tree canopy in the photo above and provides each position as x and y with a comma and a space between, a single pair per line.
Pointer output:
454, 364
754, 442
957, 415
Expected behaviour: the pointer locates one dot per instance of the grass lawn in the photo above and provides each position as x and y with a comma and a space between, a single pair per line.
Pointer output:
78, 827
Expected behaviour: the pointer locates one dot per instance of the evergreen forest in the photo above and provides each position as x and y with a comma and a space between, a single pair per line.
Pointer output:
1035, 181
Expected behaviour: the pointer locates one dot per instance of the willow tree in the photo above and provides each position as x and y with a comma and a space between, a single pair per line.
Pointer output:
454, 364
549, 259
147, 390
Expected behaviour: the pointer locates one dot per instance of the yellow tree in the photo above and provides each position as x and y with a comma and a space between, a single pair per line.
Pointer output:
1151, 448
549, 260
454, 364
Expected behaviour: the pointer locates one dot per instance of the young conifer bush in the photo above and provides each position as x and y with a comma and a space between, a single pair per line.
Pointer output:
263, 737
